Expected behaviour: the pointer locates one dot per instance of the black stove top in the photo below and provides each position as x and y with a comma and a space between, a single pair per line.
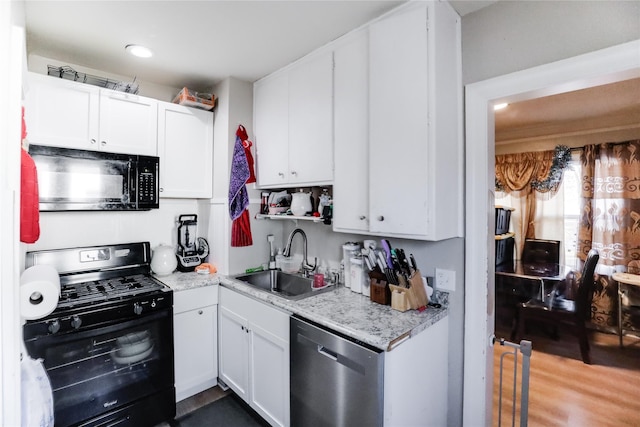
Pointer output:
95, 275
106, 290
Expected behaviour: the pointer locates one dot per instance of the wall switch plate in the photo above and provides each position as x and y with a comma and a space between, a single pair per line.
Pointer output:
445, 280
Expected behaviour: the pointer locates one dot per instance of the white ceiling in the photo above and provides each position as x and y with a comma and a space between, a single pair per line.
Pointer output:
607, 113
195, 43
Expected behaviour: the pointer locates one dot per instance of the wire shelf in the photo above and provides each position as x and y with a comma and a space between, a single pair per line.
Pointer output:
68, 73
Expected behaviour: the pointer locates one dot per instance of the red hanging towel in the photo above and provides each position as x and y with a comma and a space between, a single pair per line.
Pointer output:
241, 230
29, 200
246, 144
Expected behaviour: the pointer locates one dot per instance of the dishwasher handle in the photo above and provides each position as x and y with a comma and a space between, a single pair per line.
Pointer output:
327, 353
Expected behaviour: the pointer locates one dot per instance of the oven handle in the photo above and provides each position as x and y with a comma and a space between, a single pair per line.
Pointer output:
120, 421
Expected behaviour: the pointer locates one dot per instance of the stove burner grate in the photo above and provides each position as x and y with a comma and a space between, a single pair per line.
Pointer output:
105, 290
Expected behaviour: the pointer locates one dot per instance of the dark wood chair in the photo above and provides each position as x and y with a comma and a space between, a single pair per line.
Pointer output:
569, 305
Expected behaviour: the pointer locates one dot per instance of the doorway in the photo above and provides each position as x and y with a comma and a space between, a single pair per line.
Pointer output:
593, 69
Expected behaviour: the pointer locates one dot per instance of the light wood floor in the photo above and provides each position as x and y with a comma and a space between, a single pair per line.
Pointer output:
563, 391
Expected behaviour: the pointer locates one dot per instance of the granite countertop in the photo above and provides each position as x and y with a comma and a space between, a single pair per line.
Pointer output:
352, 314
178, 281
339, 309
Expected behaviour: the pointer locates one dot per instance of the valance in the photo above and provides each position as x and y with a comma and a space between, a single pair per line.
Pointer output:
541, 171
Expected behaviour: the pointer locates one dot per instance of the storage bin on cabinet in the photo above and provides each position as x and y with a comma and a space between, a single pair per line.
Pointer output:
504, 248
503, 219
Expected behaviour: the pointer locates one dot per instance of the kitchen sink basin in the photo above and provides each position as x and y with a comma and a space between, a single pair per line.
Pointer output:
287, 285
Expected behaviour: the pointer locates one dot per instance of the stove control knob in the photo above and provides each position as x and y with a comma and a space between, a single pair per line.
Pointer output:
76, 321
153, 304
137, 308
54, 326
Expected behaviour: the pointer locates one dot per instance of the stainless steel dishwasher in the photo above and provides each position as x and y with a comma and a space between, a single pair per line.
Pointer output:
335, 380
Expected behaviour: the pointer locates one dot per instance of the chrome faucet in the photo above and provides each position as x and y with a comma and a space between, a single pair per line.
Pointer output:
306, 267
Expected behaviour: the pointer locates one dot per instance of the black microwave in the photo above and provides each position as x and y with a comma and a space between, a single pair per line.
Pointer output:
83, 180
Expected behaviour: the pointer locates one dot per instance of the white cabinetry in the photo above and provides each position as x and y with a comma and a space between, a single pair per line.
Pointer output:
254, 354
195, 340
185, 148
76, 115
294, 124
414, 152
351, 121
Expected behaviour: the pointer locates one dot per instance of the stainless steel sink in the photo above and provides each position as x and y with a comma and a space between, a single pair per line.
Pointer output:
287, 285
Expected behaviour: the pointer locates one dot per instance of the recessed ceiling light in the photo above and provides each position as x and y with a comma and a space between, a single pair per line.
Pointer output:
139, 51
500, 106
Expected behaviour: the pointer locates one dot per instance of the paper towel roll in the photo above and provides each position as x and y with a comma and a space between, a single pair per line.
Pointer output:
39, 291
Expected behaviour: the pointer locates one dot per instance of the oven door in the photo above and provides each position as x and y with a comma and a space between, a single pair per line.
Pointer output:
103, 370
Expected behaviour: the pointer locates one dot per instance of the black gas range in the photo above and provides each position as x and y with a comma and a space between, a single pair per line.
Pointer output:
108, 346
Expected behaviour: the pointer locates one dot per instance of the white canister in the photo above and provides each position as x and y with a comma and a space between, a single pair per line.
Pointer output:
357, 274
348, 250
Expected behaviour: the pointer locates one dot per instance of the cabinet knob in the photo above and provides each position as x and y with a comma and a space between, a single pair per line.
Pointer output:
161, 189
200, 311
93, 140
103, 142
380, 218
294, 173
280, 174
362, 217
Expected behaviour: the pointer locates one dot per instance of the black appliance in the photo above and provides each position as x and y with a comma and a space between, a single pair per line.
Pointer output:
108, 346
191, 249
83, 180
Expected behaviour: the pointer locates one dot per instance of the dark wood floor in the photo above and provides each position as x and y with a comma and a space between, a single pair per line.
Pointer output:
564, 391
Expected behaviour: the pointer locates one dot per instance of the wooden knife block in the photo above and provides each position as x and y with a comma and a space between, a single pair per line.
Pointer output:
379, 291
409, 297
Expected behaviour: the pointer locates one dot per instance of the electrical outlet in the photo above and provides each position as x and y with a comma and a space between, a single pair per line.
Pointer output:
445, 280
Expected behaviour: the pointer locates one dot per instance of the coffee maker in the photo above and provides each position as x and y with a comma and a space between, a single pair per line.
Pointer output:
192, 250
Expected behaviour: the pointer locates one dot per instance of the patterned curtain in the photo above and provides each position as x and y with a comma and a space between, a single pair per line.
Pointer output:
610, 219
529, 176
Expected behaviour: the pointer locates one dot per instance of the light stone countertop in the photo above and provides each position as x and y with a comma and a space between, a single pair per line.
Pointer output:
339, 309
178, 281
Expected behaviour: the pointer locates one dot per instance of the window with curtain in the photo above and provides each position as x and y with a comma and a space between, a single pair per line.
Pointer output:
556, 217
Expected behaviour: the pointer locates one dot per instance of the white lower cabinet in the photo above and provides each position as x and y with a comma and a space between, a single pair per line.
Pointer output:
254, 354
195, 316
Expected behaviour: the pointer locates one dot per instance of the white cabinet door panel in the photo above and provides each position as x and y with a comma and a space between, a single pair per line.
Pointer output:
399, 124
270, 373
185, 148
61, 114
271, 106
128, 123
233, 351
311, 120
195, 347
351, 144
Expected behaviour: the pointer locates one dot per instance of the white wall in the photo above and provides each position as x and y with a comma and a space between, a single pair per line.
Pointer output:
38, 64
235, 107
12, 57
512, 35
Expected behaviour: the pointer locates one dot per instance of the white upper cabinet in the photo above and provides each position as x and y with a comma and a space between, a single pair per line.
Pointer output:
76, 115
351, 143
413, 178
185, 148
128, 123
293, 121
271, 117
62, 113
311, 120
